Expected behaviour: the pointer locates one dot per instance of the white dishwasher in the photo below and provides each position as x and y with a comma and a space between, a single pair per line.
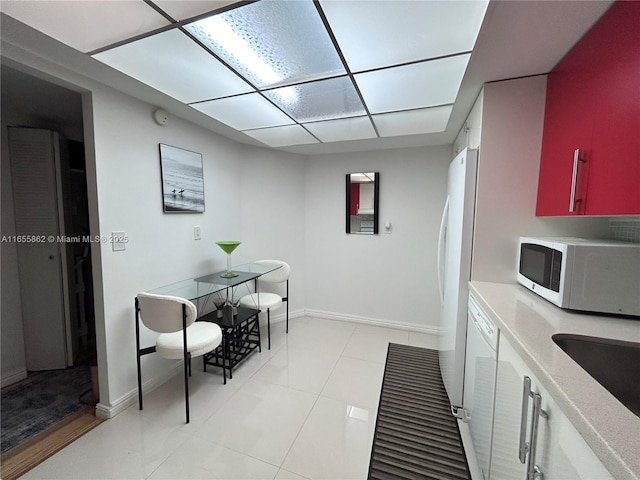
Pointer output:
480, 381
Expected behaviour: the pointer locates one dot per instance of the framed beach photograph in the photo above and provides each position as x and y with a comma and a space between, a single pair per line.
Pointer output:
182, 180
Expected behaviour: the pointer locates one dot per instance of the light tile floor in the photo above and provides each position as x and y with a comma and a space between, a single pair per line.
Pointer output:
304, 409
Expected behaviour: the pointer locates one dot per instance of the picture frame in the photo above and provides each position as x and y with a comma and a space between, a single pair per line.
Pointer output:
182, 180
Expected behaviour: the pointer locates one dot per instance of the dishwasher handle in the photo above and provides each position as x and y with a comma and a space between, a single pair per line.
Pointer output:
523, 447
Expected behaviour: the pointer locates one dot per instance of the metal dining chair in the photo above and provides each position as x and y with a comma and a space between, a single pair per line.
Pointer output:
267, 301
180, 335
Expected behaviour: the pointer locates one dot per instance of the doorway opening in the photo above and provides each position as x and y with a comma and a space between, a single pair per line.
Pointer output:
48, 319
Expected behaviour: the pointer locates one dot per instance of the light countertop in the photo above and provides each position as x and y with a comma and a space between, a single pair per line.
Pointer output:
528, 322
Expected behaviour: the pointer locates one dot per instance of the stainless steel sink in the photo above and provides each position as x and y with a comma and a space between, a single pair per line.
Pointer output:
615, 364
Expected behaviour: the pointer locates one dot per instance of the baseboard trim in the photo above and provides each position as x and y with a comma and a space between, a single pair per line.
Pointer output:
412, 327
106, 411
11, 379
281, 316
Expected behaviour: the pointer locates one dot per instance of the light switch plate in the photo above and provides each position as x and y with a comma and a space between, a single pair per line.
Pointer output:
118, 241
197, 233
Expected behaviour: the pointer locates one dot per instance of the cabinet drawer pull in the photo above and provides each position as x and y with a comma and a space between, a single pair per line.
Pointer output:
574, 179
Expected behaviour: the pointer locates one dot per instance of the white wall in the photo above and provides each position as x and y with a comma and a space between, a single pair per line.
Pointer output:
388, 279
271, 186
511, 139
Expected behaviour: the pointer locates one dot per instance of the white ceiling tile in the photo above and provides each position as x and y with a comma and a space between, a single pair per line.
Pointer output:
392, 32
172, 63
86, 25
185, 9
356, 128
416, 85
412, 122
282, 136
244, 112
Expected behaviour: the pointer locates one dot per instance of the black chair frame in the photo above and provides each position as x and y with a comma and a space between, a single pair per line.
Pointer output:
146, 351
285, 299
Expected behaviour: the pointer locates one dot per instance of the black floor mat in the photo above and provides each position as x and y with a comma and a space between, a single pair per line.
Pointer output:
416, 436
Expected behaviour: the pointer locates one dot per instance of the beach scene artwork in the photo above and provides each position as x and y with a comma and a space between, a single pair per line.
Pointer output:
182, 180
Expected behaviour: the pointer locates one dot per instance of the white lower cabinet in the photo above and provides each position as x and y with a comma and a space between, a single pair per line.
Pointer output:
556, 451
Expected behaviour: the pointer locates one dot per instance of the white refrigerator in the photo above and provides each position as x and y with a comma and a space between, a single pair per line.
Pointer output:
454, 271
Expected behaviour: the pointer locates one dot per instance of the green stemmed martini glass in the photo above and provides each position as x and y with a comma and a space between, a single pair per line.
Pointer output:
228, 246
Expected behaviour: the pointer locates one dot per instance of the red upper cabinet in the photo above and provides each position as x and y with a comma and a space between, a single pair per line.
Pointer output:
591, 138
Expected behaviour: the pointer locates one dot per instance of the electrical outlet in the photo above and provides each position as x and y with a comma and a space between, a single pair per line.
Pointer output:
118, 241
197, 233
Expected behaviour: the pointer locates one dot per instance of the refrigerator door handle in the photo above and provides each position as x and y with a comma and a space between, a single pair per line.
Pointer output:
442, 237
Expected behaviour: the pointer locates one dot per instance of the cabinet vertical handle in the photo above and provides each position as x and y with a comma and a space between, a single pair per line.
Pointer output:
533, 471
574, 180
523, 447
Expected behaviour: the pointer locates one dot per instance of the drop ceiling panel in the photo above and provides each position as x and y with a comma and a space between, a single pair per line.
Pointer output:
244, 112
272, 43
282, 136
412, 122
411, 86
174, 64
373, 34
356, 128
86, 25
321, 100
186, 9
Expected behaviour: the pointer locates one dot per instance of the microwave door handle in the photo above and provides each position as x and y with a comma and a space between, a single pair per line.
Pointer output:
442, 241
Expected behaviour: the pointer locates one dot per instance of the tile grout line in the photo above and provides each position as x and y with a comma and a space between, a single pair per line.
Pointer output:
315, 403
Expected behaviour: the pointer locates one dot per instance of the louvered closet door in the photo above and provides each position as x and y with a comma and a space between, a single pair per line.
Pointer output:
33, 171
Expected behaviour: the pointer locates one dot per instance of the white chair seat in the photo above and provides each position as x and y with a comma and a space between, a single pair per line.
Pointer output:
202, 337
171, 317
263, 300
266, 301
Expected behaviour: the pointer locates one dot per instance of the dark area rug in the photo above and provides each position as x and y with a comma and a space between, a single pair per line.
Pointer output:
416, 436
39, 402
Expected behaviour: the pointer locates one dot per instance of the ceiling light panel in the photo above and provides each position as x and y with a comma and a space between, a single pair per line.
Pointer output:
413, 122
86, 26
321, 100
419, 29
244, 112
356, 128
271, 43
282, 136
417, 85
174, 64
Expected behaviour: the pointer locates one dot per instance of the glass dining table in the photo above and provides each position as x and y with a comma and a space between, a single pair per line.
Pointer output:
240, 326
203, 287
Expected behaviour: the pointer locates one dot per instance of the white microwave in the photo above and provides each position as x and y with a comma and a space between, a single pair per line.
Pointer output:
579, 274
